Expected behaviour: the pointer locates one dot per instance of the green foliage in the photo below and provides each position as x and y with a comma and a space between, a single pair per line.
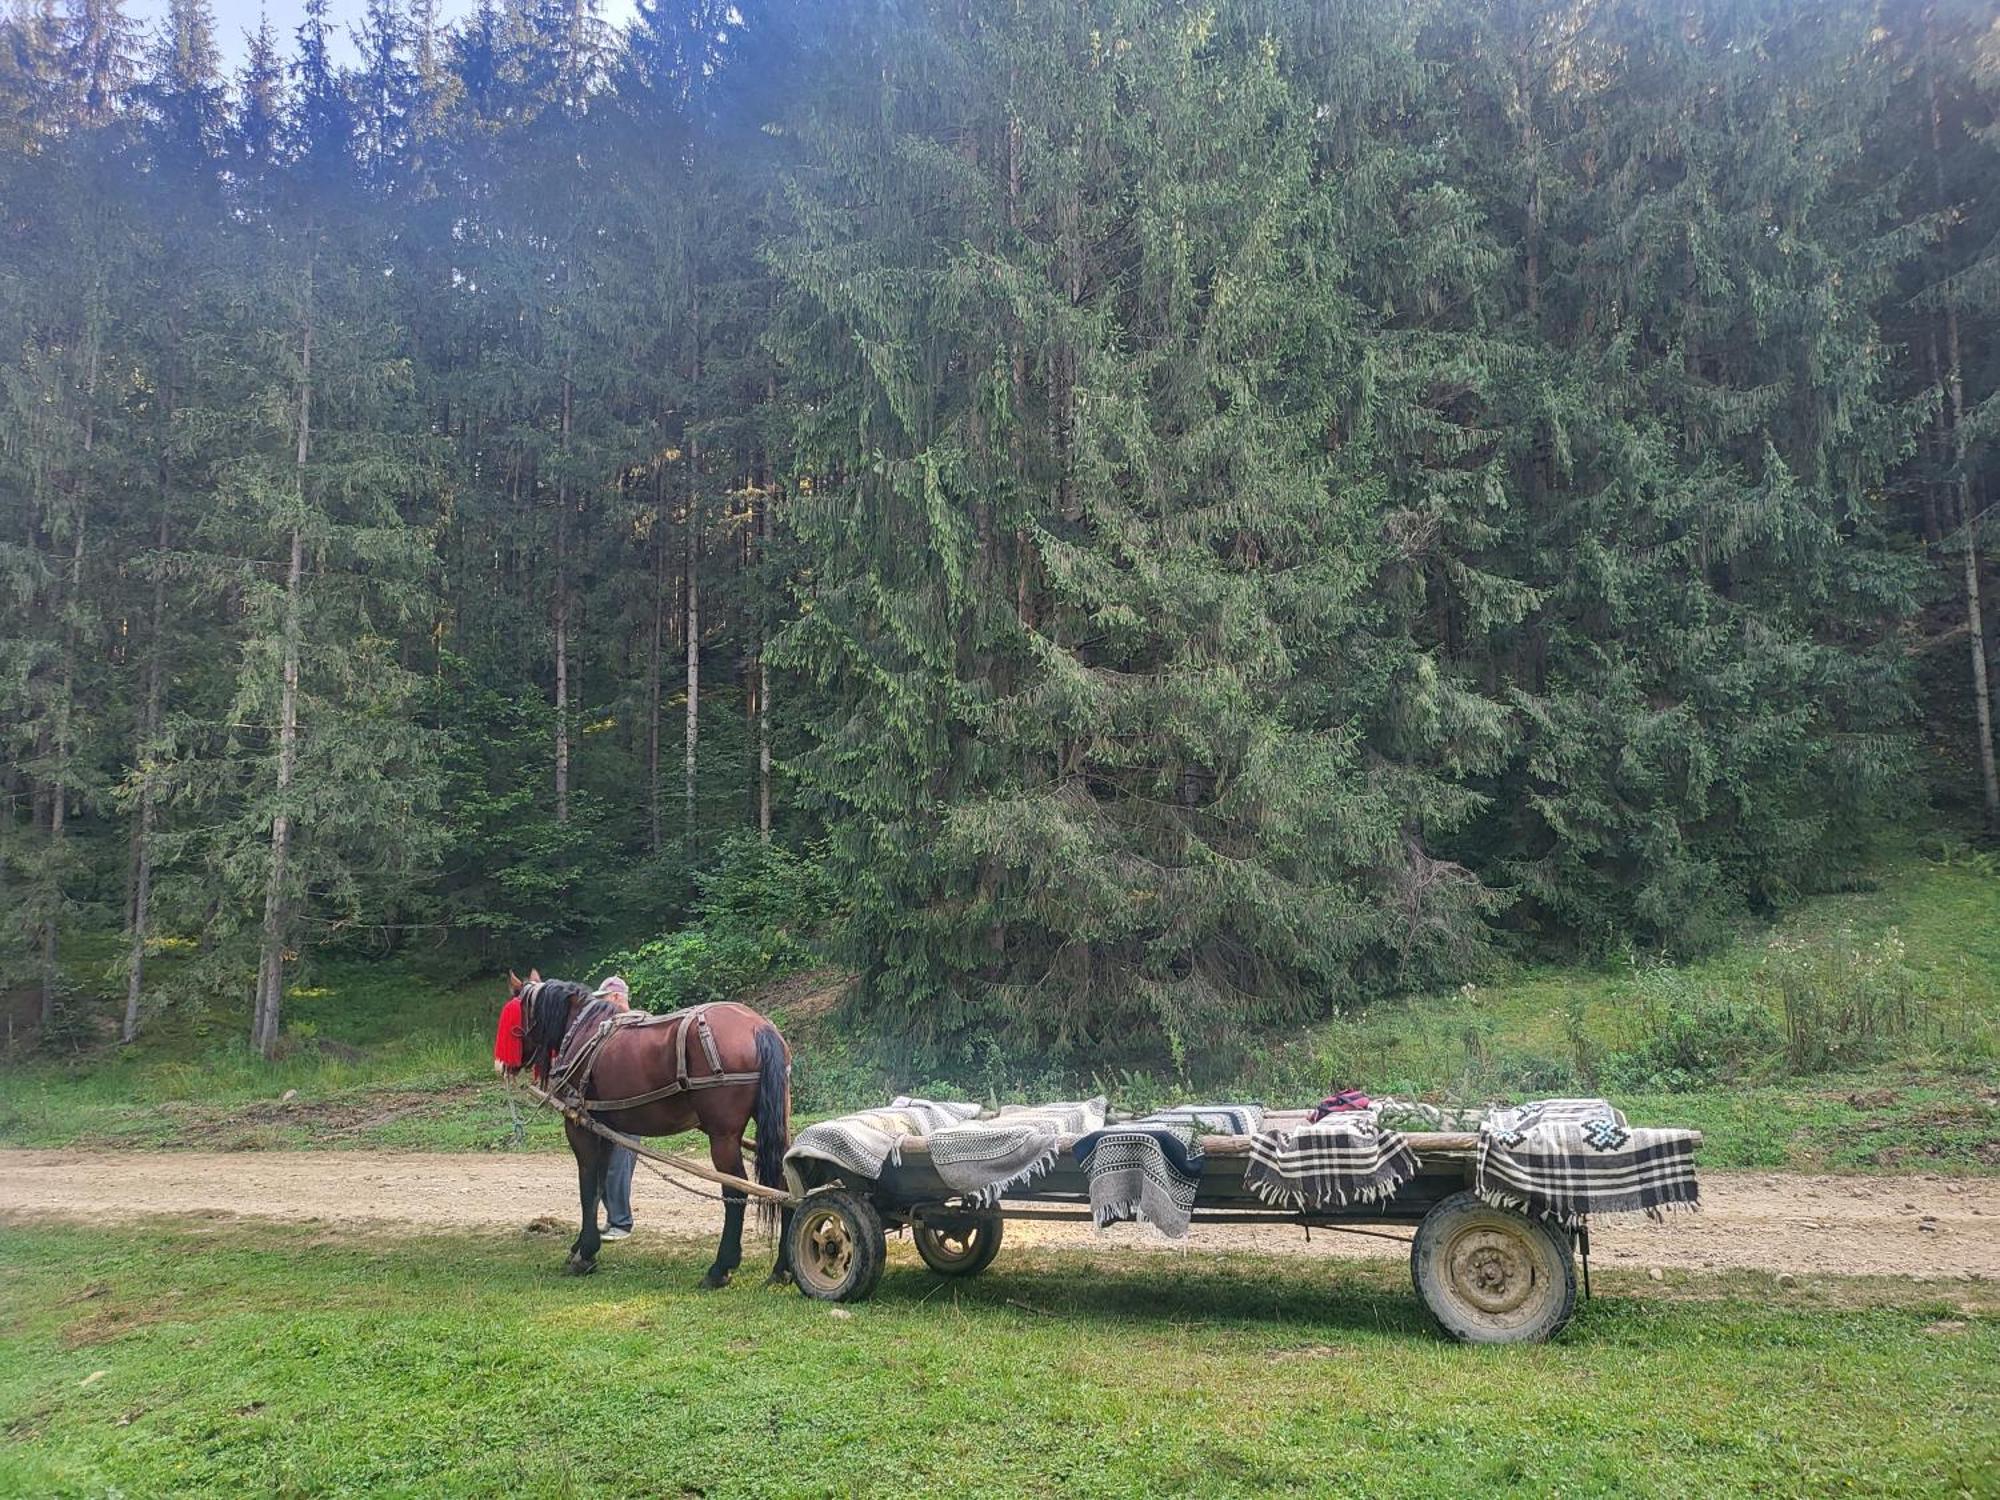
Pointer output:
1848, 1002
1691, 1036
761, 911
1211, 513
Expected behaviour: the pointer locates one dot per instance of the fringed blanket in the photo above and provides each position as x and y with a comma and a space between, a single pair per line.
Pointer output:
1567, 1159
1343, 1159
982, 1159
1149, 1170
867, 1141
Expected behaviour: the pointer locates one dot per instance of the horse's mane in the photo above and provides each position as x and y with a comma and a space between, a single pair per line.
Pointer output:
545, 1012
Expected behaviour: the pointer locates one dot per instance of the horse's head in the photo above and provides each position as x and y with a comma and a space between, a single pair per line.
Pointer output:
507, 1036
546, 1006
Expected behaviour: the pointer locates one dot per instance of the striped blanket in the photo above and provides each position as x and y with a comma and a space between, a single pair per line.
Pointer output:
1149, 1170
868, 1140
1567, 1159
1342, 1159
982, 1159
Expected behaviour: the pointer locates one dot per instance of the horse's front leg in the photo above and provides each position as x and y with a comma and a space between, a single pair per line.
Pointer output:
726, 1152
592, 1156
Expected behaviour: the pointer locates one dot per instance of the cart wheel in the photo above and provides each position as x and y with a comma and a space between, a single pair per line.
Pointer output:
957, 1244
837, 1246
1490, 1275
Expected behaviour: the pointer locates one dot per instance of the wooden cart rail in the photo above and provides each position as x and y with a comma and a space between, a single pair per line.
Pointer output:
1438, 1143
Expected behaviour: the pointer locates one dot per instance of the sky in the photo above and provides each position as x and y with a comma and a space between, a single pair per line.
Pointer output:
236, 19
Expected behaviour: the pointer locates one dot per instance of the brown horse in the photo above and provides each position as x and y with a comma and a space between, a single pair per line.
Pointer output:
639, 1060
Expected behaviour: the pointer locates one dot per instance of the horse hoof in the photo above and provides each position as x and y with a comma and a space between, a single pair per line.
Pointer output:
715, 1281
576, 1265
779, 1278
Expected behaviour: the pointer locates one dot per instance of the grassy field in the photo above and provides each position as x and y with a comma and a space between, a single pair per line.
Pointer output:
382, 1060
196, 1359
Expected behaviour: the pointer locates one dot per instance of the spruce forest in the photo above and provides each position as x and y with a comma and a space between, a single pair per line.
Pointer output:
1181, 514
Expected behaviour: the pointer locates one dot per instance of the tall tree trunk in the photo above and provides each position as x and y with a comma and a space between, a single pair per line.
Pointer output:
693, 663
562, 611
271, 970
1975, 616
1954, 392
693, 588
764, 499
654, 662
65, 704
138, 908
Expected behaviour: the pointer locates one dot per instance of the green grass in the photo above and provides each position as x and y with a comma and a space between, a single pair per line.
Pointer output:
382, 1059
1524, 1025
189, 1359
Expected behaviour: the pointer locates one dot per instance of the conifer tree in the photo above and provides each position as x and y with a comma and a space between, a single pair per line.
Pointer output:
318, 793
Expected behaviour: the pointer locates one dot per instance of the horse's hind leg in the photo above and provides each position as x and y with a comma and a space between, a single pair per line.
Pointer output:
592, 1157
726, 1152
781, 1269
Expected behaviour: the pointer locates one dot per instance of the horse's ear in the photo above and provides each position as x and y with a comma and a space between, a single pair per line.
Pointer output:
534, 976
513, 979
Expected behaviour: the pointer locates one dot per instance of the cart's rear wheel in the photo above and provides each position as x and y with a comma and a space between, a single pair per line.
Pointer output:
1490, 1275
837, 1246
957, 1244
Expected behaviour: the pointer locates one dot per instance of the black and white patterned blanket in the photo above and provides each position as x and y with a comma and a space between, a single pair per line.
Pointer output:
866, 1141
983, 1158
1149, 1170
1342, 1159
1567, 1159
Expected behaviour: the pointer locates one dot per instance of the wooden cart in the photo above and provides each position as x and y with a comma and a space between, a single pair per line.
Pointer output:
1487, 1275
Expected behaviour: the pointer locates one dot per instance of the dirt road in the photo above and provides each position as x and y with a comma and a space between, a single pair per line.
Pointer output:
1923, 1226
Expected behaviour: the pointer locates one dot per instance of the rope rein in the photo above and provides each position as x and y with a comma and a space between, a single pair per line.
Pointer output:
645, 1158
569, 1111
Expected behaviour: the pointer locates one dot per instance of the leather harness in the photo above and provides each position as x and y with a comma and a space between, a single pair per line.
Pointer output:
573, 1080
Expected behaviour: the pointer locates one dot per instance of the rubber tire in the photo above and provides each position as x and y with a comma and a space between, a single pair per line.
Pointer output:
987, 1233
1474, 1231
852, 1218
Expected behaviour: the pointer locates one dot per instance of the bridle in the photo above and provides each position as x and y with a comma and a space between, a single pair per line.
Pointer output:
530, 993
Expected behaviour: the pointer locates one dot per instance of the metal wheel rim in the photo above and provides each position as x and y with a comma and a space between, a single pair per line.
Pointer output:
953, 1247
1493, 1272
826, 1249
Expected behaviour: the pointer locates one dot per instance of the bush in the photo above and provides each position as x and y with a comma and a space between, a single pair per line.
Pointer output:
1844, 1003
1692, 1037
759, 914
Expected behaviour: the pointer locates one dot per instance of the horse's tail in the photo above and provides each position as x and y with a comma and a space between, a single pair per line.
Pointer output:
773, 1112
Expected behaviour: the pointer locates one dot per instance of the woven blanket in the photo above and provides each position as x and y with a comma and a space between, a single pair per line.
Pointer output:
1567, 1164
1345, 1102
1345, 1158
981, 1159
1210, 1119
1149, 1170
1547, 1111
868, 1140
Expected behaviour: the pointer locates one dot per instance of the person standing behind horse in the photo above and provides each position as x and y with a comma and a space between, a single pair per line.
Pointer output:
618, 1174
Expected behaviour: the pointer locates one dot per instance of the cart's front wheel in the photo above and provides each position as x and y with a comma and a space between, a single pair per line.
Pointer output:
837, 1246
1490, 1275
957, 1244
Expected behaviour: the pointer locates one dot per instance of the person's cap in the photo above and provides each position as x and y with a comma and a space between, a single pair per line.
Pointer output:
612, 986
